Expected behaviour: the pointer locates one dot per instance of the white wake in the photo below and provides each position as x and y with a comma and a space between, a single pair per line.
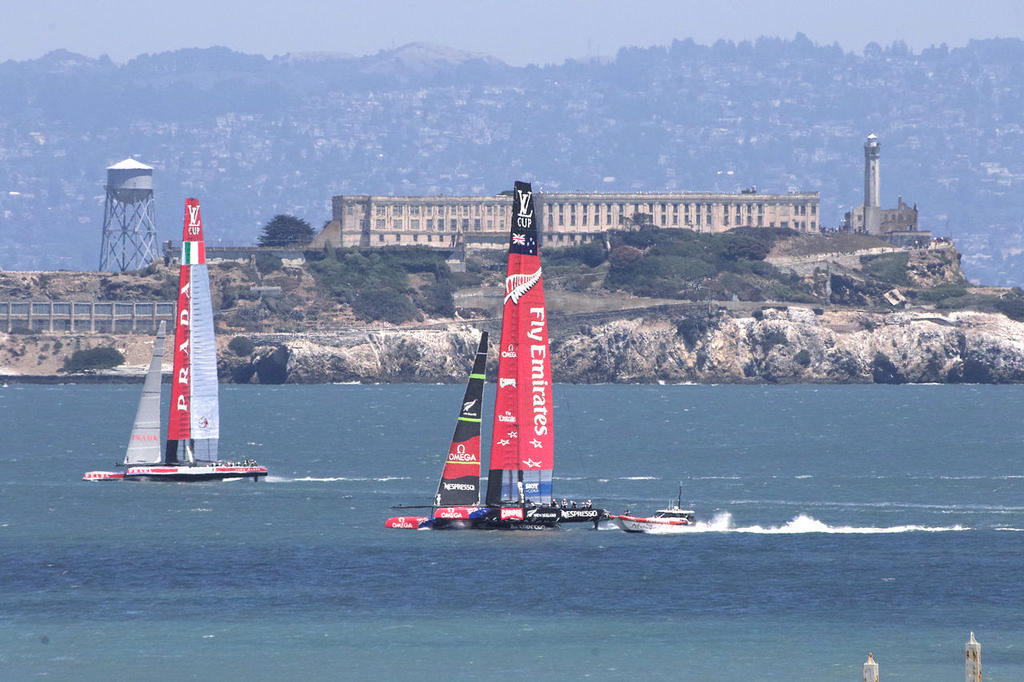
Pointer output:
803, 523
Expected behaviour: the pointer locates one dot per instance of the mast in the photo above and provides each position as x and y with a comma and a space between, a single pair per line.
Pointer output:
144, 444
193, 426
460, 479
522, 446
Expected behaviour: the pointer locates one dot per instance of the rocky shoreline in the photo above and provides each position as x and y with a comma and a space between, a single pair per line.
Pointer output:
280, 327
775, 345
770, 345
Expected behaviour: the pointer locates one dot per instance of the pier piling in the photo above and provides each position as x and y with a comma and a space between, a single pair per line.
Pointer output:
972, 654
870, 669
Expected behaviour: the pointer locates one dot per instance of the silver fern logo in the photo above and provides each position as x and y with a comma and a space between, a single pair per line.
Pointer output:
517, 285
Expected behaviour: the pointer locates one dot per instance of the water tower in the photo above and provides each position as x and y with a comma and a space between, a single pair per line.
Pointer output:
129, 224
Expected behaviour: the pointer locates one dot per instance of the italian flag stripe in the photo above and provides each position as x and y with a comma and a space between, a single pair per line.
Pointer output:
192, 253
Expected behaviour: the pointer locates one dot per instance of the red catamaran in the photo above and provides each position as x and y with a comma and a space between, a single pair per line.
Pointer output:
193, 424
519, 494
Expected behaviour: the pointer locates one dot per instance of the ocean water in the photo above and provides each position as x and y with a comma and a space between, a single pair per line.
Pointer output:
842, 520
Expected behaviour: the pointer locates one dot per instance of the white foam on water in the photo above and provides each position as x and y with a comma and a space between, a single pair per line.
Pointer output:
802, 523
335, 479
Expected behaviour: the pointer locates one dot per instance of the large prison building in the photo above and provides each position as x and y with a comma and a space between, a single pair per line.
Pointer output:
565, 218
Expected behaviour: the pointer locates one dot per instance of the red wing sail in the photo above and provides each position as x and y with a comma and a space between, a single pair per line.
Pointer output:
522, 446
460, 479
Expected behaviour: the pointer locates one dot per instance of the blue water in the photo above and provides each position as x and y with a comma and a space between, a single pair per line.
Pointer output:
842, 520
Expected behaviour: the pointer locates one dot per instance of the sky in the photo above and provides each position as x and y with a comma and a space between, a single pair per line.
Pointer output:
519, 33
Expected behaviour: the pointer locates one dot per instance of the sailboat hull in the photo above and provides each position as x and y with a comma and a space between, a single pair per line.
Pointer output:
519, 518
482, 518
213, 472
498, 518
409, 522
589, 515
103, 476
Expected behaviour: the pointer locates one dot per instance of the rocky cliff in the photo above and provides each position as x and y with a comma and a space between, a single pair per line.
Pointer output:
280, 327
798, 345
775, 345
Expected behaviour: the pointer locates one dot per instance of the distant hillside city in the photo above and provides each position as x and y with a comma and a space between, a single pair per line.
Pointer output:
253, 137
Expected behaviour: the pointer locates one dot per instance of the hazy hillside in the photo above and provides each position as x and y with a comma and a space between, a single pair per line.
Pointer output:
253, 137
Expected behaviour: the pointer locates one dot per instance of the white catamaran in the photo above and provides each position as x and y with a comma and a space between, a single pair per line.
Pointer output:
193, 425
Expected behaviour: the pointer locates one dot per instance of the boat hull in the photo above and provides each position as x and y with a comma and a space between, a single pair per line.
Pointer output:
408, 522
213, 472
501, 518
103, 476
443, 517
589, 515
642, 524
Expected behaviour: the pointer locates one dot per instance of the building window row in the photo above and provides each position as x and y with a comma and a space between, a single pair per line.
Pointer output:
421, 222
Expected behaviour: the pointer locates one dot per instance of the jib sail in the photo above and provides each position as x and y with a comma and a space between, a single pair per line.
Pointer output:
460, 479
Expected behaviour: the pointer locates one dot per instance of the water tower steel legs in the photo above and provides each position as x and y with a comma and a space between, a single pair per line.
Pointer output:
129, 233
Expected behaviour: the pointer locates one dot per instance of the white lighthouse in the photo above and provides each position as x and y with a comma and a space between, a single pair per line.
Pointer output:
872, 203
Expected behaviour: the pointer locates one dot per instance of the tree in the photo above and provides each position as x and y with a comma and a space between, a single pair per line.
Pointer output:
286, 230
640, 220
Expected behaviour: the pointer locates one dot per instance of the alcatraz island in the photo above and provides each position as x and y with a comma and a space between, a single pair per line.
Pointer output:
641, 288
638, 305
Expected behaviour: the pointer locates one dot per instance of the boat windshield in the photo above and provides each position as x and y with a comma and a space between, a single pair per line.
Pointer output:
686, 514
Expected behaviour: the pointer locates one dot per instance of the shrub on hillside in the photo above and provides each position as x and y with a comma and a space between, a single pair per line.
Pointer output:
347, 271
890, 268
384, 304
437, 300
1012, 304
745, 245
267, 263
590, 254
102, 357
241, 346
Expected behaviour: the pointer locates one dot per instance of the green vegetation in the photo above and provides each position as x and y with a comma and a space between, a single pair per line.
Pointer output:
683, 264
267, 263
103, 357
437, 299
959, 297
890, 268
241, 346
1012, 304
376, 284
286, 231
383, 304
591, 255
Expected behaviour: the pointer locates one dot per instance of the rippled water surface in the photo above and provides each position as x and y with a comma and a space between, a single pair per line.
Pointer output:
839, 520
